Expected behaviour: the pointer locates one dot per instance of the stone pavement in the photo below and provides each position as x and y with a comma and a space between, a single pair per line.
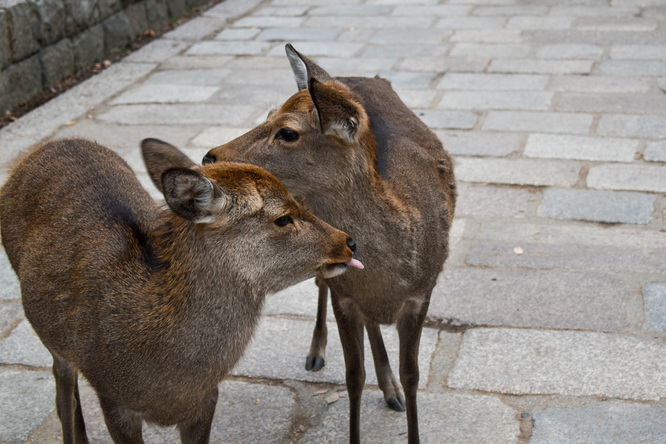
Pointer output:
548, 324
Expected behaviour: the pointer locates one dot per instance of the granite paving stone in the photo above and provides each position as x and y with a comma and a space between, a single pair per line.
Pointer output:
517, 171
541, 66
479, 200
654, 295
10, 313
487, 51
181, 114
421, 37
627, 125
655, 151
596, 37
26, 399
479, 143
369, 22
570, 52
157, 51
598, 206
568, 247
165, 93
577, 363
637, 52
492, 82
556, 146
195, 29
9, 284
628, 177
447, 119
191, 77
444, 417
534, 298
238, 34
540, 22
611, 103
23, 346
486, 36
439, 63
298, 34
518, 100
509, 9
471, 22
268, 22
422, 8
616, 24
595, 84
633, 67
215, 47
216, 135
605, 422
544, 122
329, 49
288, 361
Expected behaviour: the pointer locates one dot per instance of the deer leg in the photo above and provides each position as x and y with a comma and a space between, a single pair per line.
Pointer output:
68, 403
350, 327
198, 432
316, 358
123, 426
410, 324
387, 381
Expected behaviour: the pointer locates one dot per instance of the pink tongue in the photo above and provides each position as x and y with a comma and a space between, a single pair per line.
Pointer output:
355, 264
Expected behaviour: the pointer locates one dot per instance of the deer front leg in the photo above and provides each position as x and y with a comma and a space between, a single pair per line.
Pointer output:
350, 327
68, 403
198, 432
316, 358
388, 383
410, 324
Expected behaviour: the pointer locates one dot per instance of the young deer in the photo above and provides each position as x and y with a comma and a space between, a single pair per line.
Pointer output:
154, 306
361, 160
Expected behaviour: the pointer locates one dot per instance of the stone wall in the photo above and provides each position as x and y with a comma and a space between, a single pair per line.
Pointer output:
44, 41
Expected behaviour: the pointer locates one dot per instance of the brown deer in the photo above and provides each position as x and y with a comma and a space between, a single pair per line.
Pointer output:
153, 305
355, 155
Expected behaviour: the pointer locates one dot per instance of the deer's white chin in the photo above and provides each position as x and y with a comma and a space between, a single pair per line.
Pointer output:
328, 271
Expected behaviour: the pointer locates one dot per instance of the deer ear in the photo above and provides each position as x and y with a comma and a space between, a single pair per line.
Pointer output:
191, 195
304, 68
160, 156
339, 115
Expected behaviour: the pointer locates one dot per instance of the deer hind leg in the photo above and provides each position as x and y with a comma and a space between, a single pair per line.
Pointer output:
68, 402
316, 358
387, 381
123, 426
350, 327
198, 432
410, 324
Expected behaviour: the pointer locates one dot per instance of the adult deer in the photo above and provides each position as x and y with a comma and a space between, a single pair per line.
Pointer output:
351, 150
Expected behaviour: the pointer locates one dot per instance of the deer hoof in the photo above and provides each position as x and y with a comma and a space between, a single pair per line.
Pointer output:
396, 403
314, 363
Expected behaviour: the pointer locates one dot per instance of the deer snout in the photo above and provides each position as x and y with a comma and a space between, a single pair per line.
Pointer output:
352, 245
209, 158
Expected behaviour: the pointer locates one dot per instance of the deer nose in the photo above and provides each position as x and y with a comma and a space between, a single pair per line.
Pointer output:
209, 158
352, 245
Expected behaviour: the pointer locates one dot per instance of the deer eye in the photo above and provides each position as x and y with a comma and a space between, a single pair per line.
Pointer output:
288, 135
284, 221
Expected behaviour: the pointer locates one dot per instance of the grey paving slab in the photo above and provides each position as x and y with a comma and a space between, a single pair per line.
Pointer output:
544, 122
238, 34
408, 80
426, 62
429, 8
471, 22
23, 346
541, 66
329, 49
596, 37
575, 363
190, 77
488, 51
517, 171
486, 36
214, 47
285, 343
611, 103
483, 100
596, 84
626, 125
637, 52
633, 68
367, 22
10, 313
181, 114
447, 119
216, 135
654, 295
607, 422
556, 146
492, 82
492, 201
420, 37
567, 52
480, 143
655, 151
628, 177
537, 22
598, 206
444, 417
165, 93
9, 284
196, 29
26, 399
297, 34
568, 247
535, 298
157, 51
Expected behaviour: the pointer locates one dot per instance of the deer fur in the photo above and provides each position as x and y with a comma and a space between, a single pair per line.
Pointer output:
353, 153
152, 305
